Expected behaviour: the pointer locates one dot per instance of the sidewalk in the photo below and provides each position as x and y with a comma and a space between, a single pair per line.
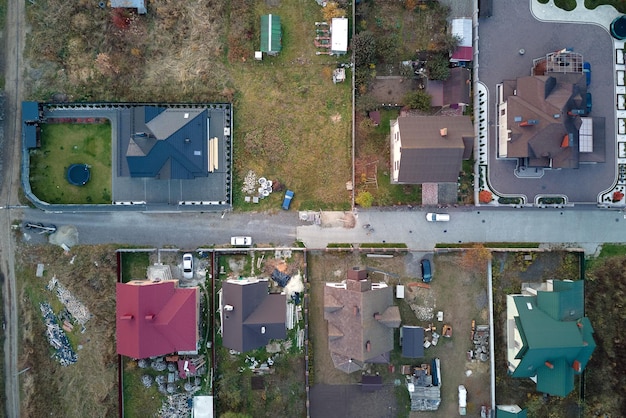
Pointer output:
601, 15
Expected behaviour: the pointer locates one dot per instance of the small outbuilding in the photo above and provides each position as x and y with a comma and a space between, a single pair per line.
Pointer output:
339, 36
271, 34
412, 341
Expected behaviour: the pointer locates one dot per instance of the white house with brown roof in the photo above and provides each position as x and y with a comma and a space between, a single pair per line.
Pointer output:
429, 149
361, 317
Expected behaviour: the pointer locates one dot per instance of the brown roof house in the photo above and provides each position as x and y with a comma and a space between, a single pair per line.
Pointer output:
251, 316
543, 122
429, 149
453, 91
361, 317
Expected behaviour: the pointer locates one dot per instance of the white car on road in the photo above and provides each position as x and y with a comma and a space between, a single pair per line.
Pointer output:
437, 217
241, 241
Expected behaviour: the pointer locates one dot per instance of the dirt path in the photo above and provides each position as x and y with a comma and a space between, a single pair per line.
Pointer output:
10, 143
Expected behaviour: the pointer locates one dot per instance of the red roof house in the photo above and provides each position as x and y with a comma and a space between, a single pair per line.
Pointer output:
156, 318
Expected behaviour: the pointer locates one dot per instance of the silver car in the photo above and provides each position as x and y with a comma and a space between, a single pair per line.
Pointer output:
188, 266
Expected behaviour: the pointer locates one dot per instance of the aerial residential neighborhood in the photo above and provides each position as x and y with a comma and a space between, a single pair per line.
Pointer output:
341, 208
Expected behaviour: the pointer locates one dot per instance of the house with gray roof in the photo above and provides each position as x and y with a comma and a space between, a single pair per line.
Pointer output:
361, 317
429, 149
250, 316
543, 122
548, 337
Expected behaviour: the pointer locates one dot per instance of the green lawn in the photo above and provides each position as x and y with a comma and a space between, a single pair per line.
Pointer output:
66, 144
134, 266
139, 401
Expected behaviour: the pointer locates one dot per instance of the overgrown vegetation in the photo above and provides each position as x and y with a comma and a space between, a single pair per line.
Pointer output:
134, 265
605, 297
64, 144
620, 5
89, 387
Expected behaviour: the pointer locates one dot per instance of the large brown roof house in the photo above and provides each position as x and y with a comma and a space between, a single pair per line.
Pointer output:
543, 122
429, 149
251, 316
361, 317
154, 318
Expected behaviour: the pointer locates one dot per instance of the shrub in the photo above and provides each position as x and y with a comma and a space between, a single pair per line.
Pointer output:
617, 196
364, 46
438, 67
510, 200
364, 199
485, 196
331, 10
418, 99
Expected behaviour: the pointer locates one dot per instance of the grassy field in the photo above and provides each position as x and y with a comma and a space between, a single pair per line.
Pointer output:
139, 401
292, 123
134, 266
66, 144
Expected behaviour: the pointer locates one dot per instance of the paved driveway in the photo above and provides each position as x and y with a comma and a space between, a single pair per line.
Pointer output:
513, 27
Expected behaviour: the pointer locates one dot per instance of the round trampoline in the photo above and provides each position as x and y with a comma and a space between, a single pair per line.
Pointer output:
78, 174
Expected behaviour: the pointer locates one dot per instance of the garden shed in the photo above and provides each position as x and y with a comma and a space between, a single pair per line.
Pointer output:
339, 36
271, 34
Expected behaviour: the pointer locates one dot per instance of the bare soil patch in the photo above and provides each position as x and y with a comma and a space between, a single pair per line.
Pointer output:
391, 91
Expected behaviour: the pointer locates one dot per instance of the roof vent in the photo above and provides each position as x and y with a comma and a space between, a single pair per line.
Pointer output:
368, 346
443, 131
529, 306
186, 116
228, 307
355, 310
187, 141
549, 365
262, 330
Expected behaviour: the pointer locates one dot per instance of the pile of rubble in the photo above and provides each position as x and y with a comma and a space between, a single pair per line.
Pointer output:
175, 406
480, 339
57, 337
79, 311
250, 183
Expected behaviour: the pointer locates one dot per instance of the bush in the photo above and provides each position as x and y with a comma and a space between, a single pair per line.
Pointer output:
485, 196
364, 46
551, 200
510, 200
331, 10
366, 103
364, 199
418, 99
438, 67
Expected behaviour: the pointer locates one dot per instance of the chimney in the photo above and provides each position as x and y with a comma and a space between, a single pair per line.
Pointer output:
149, 317
355, 310
577, 366
377, 316
126, 316
228, 307
579, 324
549, 365
368, 346
443, 132
262, 330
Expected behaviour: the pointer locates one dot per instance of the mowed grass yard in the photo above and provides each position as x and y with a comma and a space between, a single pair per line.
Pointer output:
66, 144
292, 123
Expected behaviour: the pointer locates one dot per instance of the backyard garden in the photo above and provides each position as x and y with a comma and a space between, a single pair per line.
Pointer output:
86, 144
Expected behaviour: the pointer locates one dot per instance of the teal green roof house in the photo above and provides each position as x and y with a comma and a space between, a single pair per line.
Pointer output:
271, 34
548, 337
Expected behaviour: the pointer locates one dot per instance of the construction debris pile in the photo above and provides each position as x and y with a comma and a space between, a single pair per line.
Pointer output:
78, 311
480, 338
178, 405
57, 337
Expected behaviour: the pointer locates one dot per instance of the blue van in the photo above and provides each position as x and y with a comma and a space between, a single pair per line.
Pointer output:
427, 275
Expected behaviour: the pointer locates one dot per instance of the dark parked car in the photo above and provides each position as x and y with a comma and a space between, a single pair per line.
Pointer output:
427, 275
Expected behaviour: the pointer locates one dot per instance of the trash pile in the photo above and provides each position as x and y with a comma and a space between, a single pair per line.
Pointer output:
480, 339
250, 183
178, 405
79, 311
57, 337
